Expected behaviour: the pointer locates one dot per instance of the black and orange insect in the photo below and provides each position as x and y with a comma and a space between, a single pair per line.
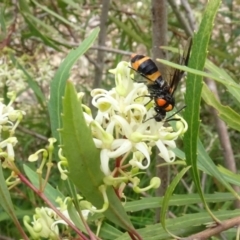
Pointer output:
160, 90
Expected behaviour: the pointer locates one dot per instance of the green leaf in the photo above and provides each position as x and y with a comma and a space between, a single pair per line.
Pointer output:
18, 212
167, 197
34, 24
228, 115
129, 31
177, 200
58, 83
51, 193
194, 88
206, 164
218, 78
84, 160
5, 199
231, 177
2, 23
73, 214
74, 5
34, 30
109, 232
41, 24
55, 15
182, 226
31, 83
220, 73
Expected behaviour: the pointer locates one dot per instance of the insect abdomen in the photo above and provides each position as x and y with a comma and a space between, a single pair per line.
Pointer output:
145, 66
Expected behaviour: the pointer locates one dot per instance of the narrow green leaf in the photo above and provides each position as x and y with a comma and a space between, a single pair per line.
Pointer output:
75, 217
24, 6
231, 177
109, 232
26, 12
37, 33
57, 16
228, 115
2, 22
167, 197
18, 212
46, 28
51, 193
58, 83
5, 199
84, 160
124, 27
177, 200
220, 73
194, 88
218, 78
206, 164
212, 169
73, 4
31, 83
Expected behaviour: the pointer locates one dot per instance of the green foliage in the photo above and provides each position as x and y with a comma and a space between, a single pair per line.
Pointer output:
5, 199
35, 31
181, 226
227, 114
167, 198
194, 88
84, 159
50, 192
59, 81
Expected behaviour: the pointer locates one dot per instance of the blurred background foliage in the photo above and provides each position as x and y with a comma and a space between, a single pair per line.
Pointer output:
35, 36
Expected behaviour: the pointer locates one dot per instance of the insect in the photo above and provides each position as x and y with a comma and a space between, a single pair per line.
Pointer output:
159, 89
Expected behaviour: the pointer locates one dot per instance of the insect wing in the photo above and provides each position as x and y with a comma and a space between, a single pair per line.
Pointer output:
178, 74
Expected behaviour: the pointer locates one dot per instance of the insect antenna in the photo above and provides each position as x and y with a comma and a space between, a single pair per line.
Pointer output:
175, 119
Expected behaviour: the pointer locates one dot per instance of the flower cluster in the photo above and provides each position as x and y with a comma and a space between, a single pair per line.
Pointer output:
9, 120
38, 67
45, 221
120, 131
42, 224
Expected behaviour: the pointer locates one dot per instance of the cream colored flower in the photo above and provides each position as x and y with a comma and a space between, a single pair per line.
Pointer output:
9, 120
119, 129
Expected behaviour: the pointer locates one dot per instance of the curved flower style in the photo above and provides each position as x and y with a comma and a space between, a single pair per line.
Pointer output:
119, 129
42, 223
45, 222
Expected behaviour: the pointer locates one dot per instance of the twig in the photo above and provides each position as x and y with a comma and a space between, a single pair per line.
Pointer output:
103, 48
101, 42
206, 234
107, 49
189, 14
58, 212
5, 238
5, 42
56, 9
180, 17
159, 31
159, 38
94, 63
30, 132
